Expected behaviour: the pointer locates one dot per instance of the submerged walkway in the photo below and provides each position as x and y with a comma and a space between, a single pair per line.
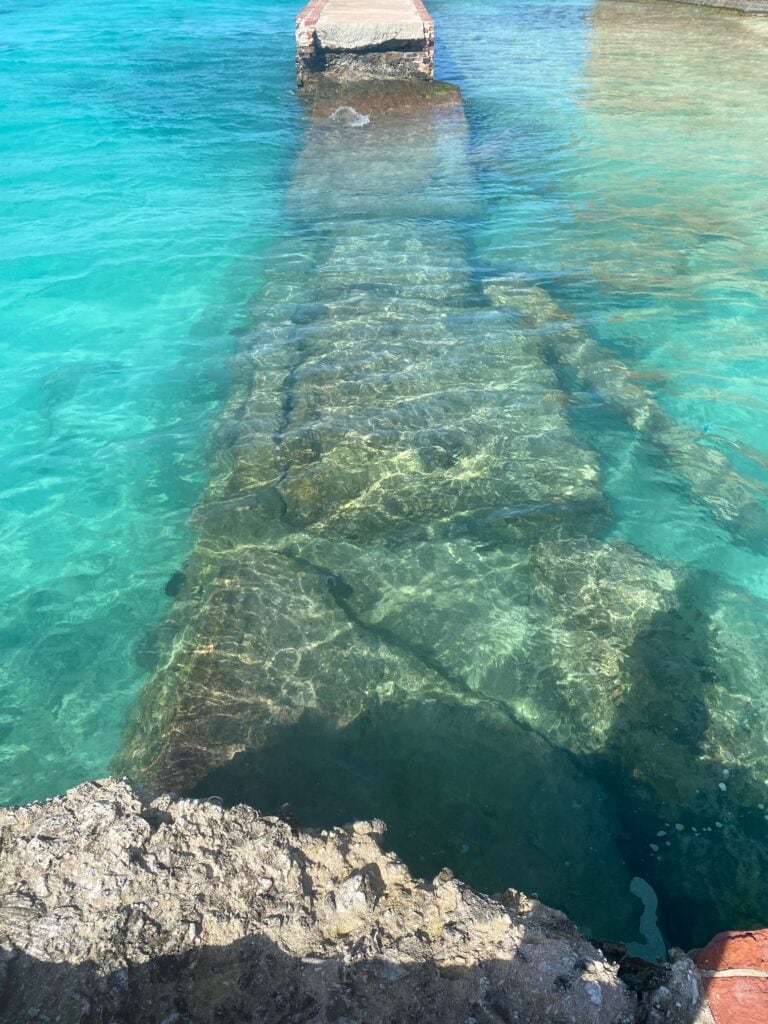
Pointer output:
364, 39
741, 6
406, 597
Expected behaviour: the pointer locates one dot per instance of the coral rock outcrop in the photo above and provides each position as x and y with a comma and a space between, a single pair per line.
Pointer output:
115, 906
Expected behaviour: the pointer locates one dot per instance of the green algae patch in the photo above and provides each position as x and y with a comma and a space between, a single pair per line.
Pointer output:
381, 98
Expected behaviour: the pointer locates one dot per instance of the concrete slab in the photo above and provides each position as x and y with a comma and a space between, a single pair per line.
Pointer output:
359, 39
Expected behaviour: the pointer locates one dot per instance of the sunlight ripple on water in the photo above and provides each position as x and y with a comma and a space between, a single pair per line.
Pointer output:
482, 544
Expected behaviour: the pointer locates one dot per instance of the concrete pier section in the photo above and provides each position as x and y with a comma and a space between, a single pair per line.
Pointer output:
353, 39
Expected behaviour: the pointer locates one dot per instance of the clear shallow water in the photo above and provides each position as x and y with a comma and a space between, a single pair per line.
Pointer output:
140, 180
483, 551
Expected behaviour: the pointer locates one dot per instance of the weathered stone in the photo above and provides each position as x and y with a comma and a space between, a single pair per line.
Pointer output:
264, 642
176, 910
453, 777
668, 663
737, 1000
349, 40
709, 476
403, 525
348, 428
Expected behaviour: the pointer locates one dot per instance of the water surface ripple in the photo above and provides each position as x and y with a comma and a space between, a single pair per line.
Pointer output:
483, 548
140, 180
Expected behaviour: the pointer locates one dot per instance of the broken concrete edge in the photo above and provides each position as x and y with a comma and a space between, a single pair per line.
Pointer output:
427, 20
138, 902
306, 22
378, 57
306, 42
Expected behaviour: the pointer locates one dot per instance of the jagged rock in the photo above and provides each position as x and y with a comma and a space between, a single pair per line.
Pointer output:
459, 783
116, 907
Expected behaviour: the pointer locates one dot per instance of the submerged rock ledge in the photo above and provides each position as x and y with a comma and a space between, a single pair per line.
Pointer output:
117, 906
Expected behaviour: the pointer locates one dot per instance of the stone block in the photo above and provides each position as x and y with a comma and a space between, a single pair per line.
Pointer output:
363, 39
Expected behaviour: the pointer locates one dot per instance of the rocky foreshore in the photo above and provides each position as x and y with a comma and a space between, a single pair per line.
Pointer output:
116, 906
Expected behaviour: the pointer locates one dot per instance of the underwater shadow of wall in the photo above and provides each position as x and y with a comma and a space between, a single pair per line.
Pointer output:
659, 762
459, 784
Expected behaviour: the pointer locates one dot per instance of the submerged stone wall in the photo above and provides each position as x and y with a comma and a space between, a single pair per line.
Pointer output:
349, 39
360, 588
117, 908
405, 598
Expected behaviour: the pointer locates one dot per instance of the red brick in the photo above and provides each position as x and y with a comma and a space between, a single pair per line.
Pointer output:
730, 950
737, 1000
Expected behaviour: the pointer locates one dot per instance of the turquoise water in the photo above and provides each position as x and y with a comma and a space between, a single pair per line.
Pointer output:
144, 147
629, 177
456, 426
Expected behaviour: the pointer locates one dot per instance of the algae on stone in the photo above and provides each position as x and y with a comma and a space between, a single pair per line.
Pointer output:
404, 555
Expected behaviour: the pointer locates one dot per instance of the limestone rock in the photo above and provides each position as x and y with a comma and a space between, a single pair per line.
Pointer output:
118, 907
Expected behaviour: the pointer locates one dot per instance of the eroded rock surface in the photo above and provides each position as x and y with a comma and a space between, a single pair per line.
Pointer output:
375, 39
118, 907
